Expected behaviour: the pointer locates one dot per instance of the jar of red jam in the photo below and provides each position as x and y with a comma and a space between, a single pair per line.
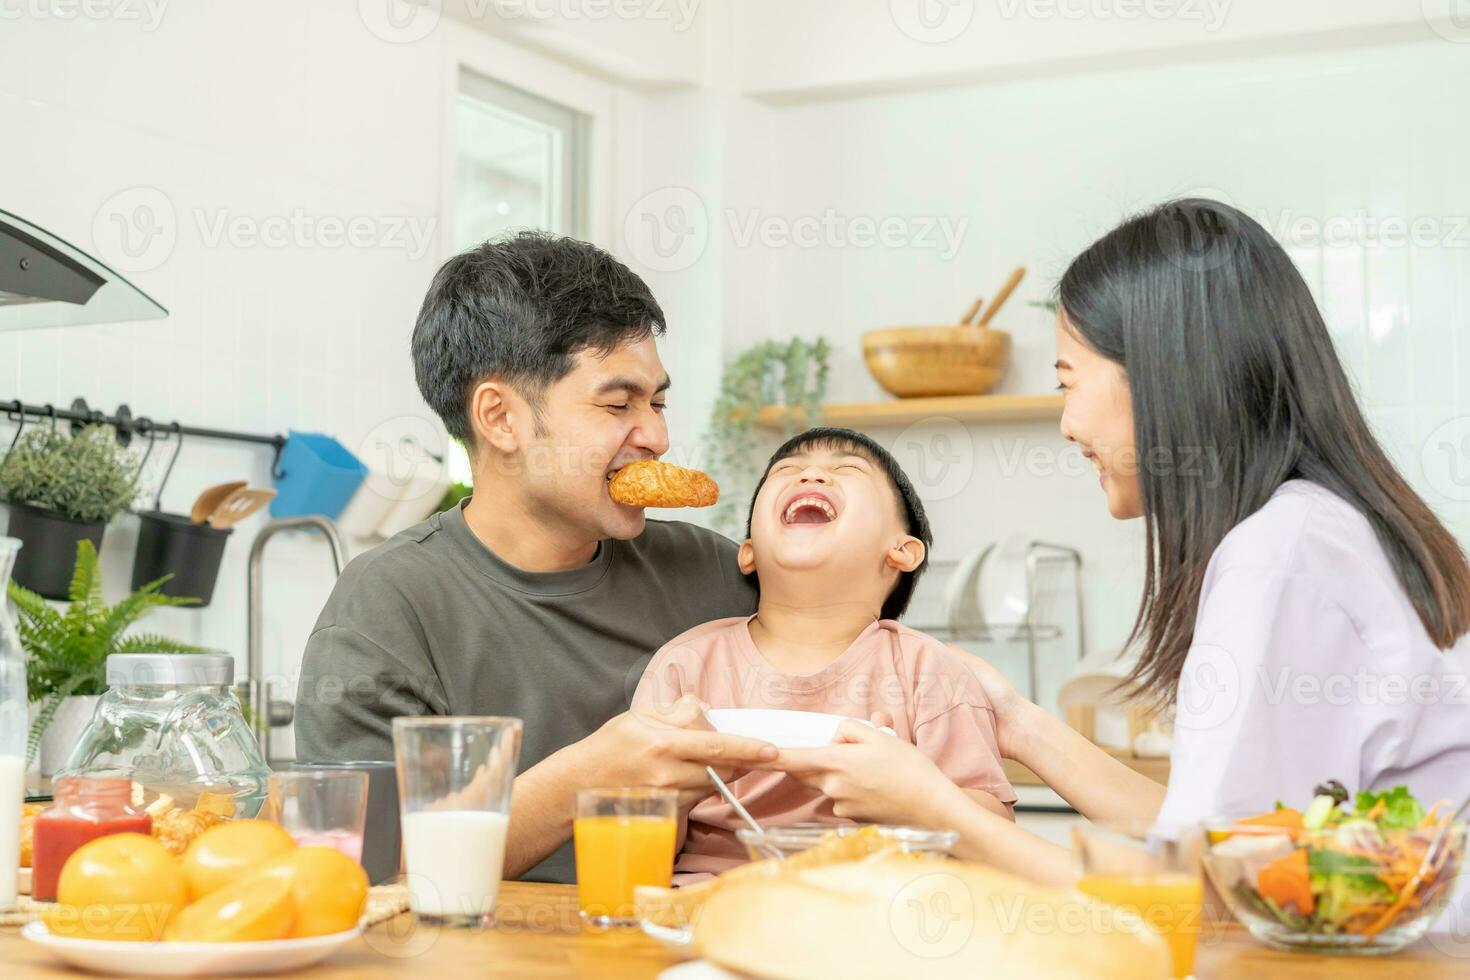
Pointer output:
83, 808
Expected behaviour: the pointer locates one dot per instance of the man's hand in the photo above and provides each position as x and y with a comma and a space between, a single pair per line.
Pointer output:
668, 746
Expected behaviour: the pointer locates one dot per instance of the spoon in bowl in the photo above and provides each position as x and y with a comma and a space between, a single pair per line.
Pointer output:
768, 850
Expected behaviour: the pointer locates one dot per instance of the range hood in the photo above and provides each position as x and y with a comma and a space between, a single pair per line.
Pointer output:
48, 282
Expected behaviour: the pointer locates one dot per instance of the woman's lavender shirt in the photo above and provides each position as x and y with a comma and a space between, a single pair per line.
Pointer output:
1309, 663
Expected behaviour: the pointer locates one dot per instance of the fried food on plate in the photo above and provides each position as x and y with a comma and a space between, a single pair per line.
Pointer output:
28, 831
173, 826
176, 828
651, 483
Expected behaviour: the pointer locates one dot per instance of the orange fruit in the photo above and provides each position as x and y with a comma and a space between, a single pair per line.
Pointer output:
329, 889
253, 910
228, 852
122, 886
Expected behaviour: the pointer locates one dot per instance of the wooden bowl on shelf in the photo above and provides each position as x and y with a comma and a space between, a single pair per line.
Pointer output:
921, 362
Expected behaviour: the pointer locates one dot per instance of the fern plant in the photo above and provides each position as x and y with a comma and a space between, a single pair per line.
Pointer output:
792, 374
66, 651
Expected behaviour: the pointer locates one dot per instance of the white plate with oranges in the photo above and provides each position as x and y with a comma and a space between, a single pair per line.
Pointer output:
243, 898
178, 959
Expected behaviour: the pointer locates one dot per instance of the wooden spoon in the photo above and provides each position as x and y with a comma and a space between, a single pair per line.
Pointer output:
1005, 293
971, 310
240, 505
206, 503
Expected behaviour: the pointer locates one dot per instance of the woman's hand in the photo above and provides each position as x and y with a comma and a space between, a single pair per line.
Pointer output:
1011, 709
872, 776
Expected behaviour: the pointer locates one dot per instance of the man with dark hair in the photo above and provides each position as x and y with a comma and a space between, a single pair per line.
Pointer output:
539, 597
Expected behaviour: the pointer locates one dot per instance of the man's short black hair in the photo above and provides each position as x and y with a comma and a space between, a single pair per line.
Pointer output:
849, 441
521, 308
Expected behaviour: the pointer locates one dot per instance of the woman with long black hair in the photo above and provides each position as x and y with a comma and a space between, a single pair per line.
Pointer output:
1304, 611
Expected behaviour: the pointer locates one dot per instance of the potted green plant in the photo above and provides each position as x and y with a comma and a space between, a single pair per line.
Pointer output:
791, 374
62, 489
66, 652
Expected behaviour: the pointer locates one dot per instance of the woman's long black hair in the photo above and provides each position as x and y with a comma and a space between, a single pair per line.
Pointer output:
1228, 361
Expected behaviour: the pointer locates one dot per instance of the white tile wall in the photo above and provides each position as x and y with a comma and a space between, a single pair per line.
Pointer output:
1040, 168
287, 109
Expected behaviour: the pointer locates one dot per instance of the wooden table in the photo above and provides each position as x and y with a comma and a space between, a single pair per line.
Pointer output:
538, 934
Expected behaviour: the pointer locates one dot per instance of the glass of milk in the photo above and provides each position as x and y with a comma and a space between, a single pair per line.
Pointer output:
454, 784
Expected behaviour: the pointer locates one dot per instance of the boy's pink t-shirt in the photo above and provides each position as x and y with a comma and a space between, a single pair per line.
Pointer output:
932, 695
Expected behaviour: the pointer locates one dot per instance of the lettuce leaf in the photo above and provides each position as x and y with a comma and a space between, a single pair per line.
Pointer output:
1325, 863
1400, 809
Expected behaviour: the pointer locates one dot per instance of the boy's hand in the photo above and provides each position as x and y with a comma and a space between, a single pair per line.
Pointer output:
871, 775
669, 746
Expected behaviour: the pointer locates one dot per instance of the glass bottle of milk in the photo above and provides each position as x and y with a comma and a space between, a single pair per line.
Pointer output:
13, 726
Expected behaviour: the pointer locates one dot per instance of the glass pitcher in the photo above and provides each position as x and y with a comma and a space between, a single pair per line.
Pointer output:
13, 725
170, 722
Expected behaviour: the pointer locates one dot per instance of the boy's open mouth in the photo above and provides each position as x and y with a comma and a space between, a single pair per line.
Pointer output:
809, 509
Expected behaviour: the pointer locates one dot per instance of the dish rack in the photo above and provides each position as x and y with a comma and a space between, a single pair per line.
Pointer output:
1048, 566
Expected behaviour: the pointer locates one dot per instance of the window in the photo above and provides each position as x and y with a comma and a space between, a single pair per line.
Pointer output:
519, 163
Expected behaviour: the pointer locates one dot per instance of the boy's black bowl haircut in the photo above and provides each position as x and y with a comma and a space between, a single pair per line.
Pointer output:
848, 440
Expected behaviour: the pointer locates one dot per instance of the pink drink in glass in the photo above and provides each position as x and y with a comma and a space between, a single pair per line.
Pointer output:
342, 840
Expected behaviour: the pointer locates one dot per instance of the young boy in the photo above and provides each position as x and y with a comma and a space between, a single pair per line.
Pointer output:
835, 542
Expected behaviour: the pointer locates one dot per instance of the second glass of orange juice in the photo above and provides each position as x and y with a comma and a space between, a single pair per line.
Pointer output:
624, 838
1152, 872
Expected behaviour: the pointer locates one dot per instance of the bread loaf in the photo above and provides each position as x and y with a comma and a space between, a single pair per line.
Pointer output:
899, 915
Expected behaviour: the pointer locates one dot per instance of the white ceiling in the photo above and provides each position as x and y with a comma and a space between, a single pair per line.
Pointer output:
792, 50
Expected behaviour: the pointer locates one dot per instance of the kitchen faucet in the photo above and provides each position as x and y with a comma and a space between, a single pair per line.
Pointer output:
267, 713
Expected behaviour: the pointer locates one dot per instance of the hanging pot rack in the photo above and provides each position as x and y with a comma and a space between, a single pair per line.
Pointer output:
127, 426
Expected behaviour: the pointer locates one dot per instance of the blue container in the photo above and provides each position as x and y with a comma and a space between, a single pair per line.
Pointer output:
318, 476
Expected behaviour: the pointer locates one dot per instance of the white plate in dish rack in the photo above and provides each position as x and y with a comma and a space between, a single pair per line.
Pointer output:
159, 959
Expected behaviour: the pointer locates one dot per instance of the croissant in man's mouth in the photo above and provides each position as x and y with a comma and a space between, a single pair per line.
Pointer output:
651, 483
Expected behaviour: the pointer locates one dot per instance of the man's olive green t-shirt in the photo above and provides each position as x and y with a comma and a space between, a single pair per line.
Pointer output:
432, 622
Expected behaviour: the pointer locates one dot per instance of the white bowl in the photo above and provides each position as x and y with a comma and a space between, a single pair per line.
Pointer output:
783, 729
188, 959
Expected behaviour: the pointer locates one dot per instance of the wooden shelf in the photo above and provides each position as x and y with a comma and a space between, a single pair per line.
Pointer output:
905, 411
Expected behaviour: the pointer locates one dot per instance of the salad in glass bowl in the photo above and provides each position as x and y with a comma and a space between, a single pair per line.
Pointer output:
1366, 875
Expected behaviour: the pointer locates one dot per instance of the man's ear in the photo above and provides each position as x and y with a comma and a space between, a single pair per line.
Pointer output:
499, 417
747, 557
906, 554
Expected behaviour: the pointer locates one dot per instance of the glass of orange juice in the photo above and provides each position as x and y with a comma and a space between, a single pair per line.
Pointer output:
1153, 872
624, 838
